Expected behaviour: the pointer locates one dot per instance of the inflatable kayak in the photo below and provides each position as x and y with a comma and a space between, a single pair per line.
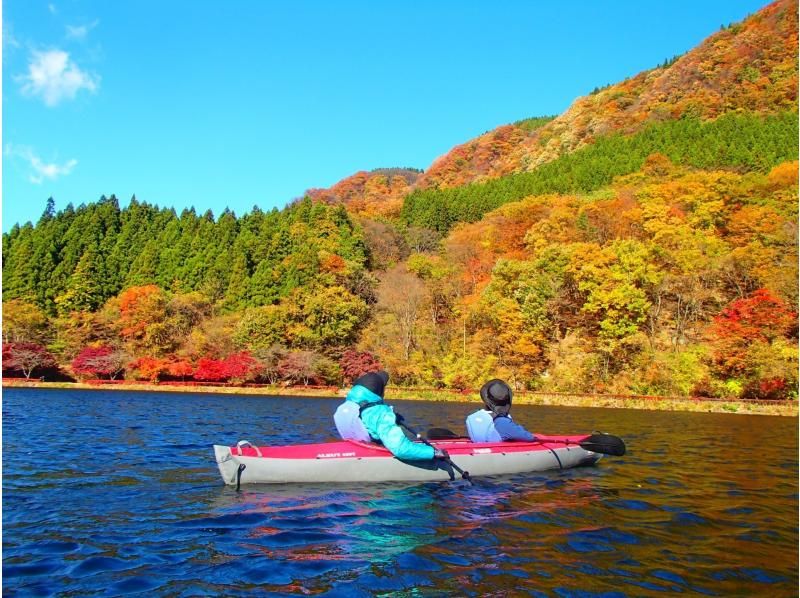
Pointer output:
352, 461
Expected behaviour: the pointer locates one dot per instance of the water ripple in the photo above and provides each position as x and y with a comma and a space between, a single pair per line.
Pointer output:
119, 495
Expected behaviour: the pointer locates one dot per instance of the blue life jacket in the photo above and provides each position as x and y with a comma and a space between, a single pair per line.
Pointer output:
365, 417
482, 427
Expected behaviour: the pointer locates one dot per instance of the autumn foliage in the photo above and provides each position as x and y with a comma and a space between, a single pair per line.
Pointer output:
356, 363
99, 362
747, 338
645, 241
237, 367
747, 66
376, 193
26, 358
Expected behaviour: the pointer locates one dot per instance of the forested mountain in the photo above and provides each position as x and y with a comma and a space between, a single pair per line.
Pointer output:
645, 241
745, 67
740, 141
749, 66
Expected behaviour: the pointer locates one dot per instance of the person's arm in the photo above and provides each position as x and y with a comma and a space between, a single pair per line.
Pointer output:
383, 421
509, 430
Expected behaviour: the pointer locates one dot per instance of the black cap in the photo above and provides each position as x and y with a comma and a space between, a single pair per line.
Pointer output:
499, 392
496, 395
374, 381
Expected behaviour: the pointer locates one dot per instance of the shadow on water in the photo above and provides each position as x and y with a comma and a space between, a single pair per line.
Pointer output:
118, 493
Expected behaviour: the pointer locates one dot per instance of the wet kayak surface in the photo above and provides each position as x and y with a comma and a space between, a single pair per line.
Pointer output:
113, 492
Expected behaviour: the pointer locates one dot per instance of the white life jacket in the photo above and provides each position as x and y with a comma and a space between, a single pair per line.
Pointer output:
480, 427
349, 424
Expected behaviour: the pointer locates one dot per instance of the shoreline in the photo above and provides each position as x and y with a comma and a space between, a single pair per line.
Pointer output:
689, 404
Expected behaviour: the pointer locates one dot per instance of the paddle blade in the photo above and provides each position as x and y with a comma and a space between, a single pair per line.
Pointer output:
608, 444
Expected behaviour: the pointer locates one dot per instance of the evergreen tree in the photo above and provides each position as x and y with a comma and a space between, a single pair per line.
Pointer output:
49, 211
84, 290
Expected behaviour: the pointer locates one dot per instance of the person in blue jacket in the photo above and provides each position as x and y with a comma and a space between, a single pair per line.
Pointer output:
366, 418
493, 423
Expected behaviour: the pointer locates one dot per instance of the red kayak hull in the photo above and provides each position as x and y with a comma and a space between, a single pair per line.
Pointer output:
349, 461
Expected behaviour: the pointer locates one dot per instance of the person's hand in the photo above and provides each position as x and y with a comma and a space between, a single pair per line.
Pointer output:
399, 419
440, 454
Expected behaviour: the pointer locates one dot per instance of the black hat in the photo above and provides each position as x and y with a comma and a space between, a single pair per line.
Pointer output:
496, 395
374, 381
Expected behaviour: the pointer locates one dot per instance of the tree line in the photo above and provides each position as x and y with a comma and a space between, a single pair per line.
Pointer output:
675, 278
77, 259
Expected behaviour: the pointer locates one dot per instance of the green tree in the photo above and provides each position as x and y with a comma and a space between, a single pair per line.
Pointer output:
324, 317
260, 328
84, 290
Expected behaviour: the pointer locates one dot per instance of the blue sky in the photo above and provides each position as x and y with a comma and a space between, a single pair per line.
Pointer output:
236, 104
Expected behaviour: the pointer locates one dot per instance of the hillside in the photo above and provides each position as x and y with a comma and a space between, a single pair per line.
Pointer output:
378, 192
742, 142
671, 280
750, 66
645, 242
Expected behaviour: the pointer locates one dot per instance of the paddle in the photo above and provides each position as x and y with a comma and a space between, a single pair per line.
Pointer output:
599, 442
608, 444
464, 474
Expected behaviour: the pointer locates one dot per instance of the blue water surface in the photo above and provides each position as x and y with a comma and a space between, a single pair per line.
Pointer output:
116, 493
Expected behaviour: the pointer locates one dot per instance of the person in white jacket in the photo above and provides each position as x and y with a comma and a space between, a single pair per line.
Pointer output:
493, 423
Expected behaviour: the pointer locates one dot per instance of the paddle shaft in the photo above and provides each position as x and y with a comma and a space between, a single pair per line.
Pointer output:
599, 442
464, 474
607, 444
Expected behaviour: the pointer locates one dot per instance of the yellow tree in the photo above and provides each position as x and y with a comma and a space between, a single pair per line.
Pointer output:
23, 322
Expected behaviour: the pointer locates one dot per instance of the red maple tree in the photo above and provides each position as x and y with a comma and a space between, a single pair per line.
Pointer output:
99, 362
759, 317
237, 367
25, 358
355, 363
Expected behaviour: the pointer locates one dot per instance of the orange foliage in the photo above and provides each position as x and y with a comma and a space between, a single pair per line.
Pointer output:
753, 223
477, 246
139, 307
370, 194
784, 175
153, 368
150, 368
332, 263
180, 368
618, 218
483, 156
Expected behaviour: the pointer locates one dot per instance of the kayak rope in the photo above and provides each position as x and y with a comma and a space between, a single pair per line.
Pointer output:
560, 465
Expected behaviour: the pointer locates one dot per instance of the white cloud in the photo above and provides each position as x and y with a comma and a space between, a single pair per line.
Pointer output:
40, 170
54, 77
52, 8
9, 39
81, 31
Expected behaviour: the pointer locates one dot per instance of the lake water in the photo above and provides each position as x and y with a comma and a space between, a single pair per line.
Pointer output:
110, 493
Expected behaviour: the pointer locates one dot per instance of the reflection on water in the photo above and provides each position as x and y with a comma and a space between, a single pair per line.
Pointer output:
112, 493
